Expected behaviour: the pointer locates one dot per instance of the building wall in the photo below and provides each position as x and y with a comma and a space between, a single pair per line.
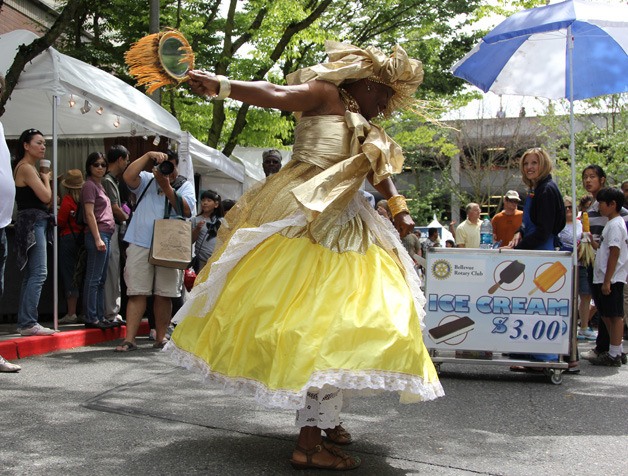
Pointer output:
29, 15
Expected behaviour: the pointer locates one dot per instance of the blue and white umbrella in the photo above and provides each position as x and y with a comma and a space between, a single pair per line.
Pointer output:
572, 50
539, 52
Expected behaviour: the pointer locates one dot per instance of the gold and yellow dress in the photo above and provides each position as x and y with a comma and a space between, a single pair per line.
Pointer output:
311, 286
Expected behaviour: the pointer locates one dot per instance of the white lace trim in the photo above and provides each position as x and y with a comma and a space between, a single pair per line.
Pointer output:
321, 409
411, 388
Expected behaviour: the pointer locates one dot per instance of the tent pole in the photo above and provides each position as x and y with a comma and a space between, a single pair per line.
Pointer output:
55, 186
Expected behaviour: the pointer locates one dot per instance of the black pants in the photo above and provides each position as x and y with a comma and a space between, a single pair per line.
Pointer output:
603, 341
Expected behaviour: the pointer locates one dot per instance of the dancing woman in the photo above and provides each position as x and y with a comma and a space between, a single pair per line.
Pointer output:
310, 293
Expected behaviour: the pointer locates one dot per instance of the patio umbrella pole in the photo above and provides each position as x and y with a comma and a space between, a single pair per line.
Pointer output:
573, 348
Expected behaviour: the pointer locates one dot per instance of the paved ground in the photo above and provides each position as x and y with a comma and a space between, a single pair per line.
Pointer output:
92, 411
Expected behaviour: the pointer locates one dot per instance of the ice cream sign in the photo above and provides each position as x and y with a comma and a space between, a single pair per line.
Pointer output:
498, 301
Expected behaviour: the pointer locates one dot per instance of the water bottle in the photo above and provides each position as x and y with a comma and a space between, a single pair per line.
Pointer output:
486, 234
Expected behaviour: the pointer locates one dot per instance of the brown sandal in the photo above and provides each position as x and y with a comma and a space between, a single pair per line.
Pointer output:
341, 462
338, 435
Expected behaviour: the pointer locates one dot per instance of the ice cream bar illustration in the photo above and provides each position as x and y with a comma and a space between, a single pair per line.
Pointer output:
508, 275
451, 329
548, 278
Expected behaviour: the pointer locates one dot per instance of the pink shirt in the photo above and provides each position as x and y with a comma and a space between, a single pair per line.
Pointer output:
93, 192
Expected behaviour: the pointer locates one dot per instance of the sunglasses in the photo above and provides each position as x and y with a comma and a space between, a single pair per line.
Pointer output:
100, 165
568, 207
271, 162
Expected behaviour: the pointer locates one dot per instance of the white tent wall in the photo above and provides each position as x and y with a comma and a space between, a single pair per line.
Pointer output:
217, 172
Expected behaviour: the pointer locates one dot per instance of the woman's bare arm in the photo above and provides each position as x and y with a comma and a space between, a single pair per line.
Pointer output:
314, 97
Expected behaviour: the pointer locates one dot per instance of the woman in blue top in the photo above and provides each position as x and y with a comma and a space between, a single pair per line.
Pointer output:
543, 214
544, 210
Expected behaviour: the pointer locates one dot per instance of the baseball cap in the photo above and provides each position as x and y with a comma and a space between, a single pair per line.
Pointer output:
512, 195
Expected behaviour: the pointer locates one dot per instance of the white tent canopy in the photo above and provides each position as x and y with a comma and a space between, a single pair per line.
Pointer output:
446, 234
55, 74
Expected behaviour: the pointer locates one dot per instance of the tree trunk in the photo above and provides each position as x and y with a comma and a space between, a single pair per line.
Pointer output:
27, 53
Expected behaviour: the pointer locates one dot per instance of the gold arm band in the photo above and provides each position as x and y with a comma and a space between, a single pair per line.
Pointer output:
225, 88
397, 205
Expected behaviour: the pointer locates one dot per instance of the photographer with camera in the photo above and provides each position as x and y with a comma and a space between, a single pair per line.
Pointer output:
154, 190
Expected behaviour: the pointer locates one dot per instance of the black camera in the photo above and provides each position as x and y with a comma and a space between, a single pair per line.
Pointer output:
166, 167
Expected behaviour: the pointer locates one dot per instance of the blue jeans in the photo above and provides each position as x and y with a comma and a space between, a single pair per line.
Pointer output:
3, 257
35, 273
68, 253
95, 277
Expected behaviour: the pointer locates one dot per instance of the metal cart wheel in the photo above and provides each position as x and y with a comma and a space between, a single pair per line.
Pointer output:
556, 376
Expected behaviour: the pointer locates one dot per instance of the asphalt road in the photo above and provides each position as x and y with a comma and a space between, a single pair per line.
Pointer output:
91, 411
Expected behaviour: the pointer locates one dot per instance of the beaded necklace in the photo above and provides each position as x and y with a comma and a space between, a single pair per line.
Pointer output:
349, 101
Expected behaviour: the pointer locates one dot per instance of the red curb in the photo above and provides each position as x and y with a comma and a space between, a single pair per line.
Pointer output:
8, 349
28, 346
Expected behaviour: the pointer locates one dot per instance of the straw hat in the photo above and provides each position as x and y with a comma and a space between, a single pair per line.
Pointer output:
73, 179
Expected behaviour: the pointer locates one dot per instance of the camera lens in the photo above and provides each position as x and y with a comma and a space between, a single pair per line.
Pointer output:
166, 167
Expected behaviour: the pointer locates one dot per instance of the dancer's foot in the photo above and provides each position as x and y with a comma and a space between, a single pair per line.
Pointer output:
323, 456
338, 435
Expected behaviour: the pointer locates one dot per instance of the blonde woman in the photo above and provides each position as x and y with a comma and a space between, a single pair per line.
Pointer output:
543, 210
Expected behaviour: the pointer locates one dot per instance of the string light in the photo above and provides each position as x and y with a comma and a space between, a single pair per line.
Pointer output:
133, 130
116, 123
86, 107
156, 140
100, 110
72, 102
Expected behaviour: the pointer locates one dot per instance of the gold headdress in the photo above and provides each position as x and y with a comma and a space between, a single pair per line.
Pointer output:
348, 63
160, 59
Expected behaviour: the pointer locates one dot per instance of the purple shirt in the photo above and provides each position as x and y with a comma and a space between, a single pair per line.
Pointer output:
93, 192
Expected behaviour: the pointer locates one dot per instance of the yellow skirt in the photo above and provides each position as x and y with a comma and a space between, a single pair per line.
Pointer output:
293, 314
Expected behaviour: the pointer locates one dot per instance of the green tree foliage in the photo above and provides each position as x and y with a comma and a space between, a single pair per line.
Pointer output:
603, 140
267, 39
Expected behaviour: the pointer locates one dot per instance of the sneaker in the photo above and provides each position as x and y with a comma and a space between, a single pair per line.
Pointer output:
68, 319
589, 334
606, 360
590, 354
152, 335
8, 366
581, 336
37, 330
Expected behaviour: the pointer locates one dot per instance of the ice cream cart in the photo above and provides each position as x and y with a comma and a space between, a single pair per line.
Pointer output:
499, 307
